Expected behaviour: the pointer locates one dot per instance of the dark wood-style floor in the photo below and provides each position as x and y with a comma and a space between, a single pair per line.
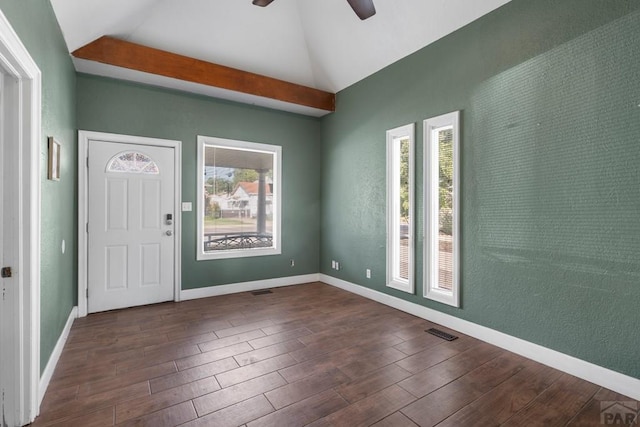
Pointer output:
302, 355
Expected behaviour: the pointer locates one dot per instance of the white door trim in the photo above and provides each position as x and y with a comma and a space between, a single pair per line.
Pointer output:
83, 208
17, 62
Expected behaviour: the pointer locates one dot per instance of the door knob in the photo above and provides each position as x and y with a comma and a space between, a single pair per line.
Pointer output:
169, 233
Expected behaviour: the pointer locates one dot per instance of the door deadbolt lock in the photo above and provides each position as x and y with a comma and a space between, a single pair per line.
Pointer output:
169, 219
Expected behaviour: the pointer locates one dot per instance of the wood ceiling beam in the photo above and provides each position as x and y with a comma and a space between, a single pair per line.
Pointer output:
112, 51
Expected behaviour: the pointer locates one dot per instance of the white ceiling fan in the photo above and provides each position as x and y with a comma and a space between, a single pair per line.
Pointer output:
363, 8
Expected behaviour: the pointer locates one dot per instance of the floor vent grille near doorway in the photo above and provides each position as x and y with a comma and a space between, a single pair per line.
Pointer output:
441, 334
263, 292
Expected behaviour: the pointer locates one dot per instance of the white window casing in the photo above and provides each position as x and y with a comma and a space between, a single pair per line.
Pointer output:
400, 219
255, 206
442, 223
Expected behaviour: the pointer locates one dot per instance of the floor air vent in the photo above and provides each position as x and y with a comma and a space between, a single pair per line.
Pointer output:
266, 291
441, 334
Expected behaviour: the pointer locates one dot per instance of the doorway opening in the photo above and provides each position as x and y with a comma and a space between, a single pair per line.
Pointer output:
20, 140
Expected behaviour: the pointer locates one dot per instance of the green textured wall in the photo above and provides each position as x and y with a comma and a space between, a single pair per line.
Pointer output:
550, 188
35, 24
107, 105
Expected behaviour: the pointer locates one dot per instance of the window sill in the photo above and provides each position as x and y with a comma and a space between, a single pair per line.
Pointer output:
238, 253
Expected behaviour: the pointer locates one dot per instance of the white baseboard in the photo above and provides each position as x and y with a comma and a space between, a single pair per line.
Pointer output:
620, 383
55, 356
213, 291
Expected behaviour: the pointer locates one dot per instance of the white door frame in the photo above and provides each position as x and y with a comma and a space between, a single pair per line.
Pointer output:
84, 137
26, 145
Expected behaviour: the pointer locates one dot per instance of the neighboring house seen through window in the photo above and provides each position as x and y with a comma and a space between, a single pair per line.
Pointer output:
239, 198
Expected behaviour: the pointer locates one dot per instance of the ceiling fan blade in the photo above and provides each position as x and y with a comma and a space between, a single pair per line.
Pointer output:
363, 8
262, 3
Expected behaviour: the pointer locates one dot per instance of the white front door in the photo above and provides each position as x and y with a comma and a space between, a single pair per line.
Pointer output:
131, 198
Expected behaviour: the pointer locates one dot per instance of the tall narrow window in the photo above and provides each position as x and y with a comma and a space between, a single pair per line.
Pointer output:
441, 142
238, 198
400, 189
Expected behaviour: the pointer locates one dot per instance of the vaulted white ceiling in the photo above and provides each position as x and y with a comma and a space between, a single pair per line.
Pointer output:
317, 43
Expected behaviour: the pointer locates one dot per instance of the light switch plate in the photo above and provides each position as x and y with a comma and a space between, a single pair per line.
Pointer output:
186, 207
